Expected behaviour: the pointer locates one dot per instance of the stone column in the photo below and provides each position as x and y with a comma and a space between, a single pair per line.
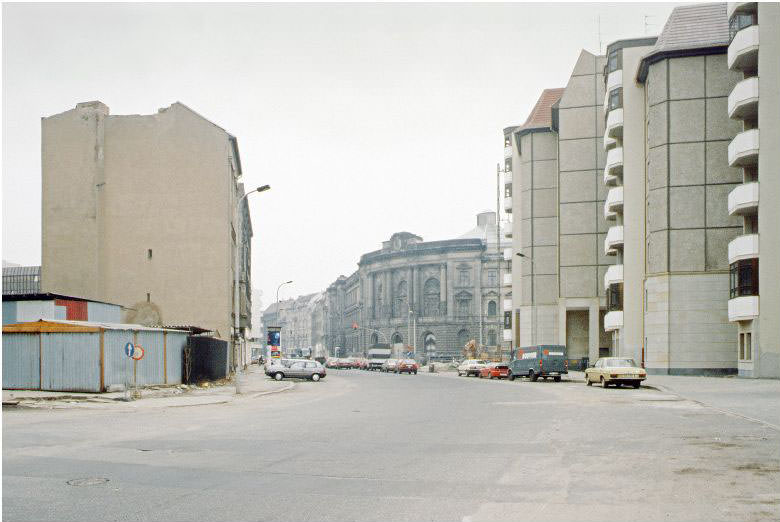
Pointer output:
411, 291
593, 330
443, 287
388, 303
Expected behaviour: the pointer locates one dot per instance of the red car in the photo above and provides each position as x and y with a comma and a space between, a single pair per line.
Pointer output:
494, 371
406, 366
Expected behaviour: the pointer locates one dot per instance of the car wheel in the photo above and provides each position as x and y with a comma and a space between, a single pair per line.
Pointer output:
278, 376
510, 376
636, 384
490, 376
315, 377
557, 379
587, 380
604, 383
415, 372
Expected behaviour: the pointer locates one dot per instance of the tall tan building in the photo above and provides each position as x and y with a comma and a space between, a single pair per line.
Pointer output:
141, 210
754, 104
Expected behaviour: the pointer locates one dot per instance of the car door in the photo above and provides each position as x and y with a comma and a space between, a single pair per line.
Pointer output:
297, 369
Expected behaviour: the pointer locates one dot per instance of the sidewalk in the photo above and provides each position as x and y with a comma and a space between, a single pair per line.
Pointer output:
255, 384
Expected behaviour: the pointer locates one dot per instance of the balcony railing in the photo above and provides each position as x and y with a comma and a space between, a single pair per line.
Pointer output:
613, 321
614, 202
508, 204
743, 49
507, 279
743, 247
507, 254
613, 276
609, 143
743, 100
739, 7
615, 123
743, 149
743, 199
507, 152
743, 308
614, 240
507, 177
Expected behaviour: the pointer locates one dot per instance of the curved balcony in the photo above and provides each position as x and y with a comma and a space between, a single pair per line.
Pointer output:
743, 308
613, 320
507, 304
743, 50
614, 202
613, 276
507, 152
743, 247
507, 279
733, 8
615, 123
614, 166
507, 176
609, 143
508, 204
743, 100
743, 149
614, 80
614, 240
609, 215
507, 254
743, 199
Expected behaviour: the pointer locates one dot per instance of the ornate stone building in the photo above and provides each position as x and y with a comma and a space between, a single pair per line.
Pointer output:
431, 296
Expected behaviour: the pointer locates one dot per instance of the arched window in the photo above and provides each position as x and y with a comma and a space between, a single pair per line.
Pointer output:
431, 296
492, 338
430, 343
374, 339
492, 308
397, 339
463, 337
400, 305
463, 303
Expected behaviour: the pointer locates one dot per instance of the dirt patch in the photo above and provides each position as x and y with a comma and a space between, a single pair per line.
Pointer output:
758, 468
691, 471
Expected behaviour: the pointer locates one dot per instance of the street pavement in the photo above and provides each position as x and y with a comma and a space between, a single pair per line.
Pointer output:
370, 446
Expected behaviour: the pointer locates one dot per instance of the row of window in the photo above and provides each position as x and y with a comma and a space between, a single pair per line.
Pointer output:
615, 297
743, 278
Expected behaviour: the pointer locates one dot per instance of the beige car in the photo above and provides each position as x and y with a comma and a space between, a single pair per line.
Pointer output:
615, 370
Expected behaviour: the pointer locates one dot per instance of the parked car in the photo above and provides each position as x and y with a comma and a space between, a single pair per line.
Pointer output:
292, 368
471, 367
406, 366
615, 370
389, 365
333, 362
494, 371
545, 361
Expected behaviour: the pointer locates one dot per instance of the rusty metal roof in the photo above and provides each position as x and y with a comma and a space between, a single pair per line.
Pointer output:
64, 325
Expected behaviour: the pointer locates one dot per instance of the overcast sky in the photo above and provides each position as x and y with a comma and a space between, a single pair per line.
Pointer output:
365, 119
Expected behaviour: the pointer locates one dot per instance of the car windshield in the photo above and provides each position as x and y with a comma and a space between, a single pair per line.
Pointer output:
619, 363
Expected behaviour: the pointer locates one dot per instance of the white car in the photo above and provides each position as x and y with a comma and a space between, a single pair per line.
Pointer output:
471, 367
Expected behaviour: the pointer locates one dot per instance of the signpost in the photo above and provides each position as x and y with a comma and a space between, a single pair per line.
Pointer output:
274, 342
134, 352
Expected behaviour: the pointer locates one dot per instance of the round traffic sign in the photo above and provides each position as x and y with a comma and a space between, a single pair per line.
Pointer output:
138, 353
129, 349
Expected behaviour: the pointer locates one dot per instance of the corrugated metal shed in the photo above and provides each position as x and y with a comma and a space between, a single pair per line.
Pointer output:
88, 356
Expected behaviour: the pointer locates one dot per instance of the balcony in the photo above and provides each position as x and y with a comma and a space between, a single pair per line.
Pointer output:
743, 308
743, 199
508, 204
615, 123
508, 334
743, 247
614, 202
507, 304
613, 321
743, 50
507, 279
613, 276
743, 100
609, 215
733, 8
507, 254
609, 143
743, 149
507, 152
614, 240
507, 177
614, 166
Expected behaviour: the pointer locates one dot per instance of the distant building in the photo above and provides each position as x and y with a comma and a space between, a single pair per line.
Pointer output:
21, 279
140, 210
22, 308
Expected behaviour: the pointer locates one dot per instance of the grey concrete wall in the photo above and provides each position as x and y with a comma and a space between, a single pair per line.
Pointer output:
768, 355
687, 224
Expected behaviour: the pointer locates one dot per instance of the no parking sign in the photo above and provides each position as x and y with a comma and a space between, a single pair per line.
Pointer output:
134, 351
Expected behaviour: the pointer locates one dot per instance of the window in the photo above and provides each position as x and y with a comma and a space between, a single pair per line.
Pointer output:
492, 338
743, 278
464, 306
615, 297
508, 190
745, 348
492, 278
149, 254
463, 277
508, 164
615, 99
508, 320
615, 60
431, 295
739, 22
507, 140
492, 308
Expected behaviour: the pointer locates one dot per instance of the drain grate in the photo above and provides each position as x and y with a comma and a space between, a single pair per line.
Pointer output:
92, 481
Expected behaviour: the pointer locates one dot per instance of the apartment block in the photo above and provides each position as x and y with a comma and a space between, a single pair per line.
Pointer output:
754, 255
141, 210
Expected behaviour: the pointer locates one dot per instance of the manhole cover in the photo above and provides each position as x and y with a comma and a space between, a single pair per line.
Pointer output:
94, 481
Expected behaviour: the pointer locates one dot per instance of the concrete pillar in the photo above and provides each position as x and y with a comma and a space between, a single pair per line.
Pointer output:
593, 330
562, 321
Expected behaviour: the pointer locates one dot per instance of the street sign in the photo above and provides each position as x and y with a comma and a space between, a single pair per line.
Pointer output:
129, 349
138, 353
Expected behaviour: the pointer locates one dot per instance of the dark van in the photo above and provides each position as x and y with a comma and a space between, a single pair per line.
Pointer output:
545, 360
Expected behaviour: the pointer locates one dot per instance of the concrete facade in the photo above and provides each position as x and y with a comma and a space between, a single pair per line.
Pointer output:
754, 105
140, 210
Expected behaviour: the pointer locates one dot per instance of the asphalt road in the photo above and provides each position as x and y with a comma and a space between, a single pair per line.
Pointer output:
368, 446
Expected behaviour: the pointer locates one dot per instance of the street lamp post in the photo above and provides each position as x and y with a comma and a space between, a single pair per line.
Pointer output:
278, 310
237, 283
533, 296
413, 331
